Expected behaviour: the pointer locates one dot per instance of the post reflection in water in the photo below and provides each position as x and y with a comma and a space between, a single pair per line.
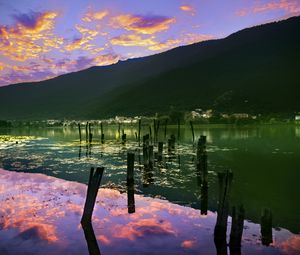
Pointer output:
47, 211
266, 227
237, 227
220, 231
90, 237
59, 156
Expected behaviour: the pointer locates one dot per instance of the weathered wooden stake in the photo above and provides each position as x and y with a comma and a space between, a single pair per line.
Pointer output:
79, 130
192, 128
160, 150
166, 124
151, 156
139, 134
150, 132
146, 156
90, 134
86, 132
123, 138
102, 134
92, 191
130, 168
178, 131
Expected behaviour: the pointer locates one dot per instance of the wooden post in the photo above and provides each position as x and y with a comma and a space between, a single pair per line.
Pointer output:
151, 156
192, 128
150, 132
157, 129
130, 183
124, 138
130, 168
266, 227
154, 127
160, 150
79, 130
169, 145
92, 191
201, 147
139, 134
102, 134
90, 134
86, 132
173, 140
119, 129
166, 124
178, 131
146, 156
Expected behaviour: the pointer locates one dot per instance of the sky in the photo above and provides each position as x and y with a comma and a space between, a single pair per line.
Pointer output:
43, 39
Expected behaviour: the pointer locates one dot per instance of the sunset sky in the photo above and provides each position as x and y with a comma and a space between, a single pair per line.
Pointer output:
42, 39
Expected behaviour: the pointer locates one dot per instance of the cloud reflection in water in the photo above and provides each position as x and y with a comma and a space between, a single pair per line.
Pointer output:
41, 214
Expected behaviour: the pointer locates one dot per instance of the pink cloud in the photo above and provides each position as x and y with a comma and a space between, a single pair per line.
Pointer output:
289, 6
142, 24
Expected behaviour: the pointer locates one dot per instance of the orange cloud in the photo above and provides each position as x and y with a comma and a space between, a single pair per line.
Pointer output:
165, 45
82, 43
31, 36
94, 16
132, 40
137, 229
291, 7
142, 24
291, 245
188, 243
107, 59
183, 40
188, 8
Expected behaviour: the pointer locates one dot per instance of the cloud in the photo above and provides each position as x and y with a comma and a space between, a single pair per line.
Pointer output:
90, 15
182, 40
188, 8
49, 68
290, 7
132, 40
82, 43
142, 24
107, 59
143, 227
171, 43
31, 36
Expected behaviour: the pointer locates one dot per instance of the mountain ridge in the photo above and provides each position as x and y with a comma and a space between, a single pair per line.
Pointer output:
151, 84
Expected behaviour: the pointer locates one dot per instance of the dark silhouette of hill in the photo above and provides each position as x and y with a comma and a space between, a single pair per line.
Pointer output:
255, 70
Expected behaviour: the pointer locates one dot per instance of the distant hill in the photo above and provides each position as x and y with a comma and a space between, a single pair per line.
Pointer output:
256, 70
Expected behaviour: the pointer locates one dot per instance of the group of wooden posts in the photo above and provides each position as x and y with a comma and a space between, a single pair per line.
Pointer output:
225, 180
89, 134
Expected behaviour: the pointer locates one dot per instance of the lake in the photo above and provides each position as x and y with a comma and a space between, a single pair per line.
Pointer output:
264, 162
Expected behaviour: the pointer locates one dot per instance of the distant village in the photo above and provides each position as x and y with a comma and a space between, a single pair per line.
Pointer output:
197, 116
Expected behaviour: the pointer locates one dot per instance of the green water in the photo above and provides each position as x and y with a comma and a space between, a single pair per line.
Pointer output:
264, 160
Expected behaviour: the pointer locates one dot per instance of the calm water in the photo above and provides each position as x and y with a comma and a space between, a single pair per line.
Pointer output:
264, 160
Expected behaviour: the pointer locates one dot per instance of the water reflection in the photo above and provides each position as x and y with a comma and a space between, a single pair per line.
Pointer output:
256, 155
41, 213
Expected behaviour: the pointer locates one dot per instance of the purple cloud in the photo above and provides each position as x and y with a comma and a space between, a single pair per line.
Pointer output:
28, 20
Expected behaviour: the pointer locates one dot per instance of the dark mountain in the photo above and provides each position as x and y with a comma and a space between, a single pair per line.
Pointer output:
255, 70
